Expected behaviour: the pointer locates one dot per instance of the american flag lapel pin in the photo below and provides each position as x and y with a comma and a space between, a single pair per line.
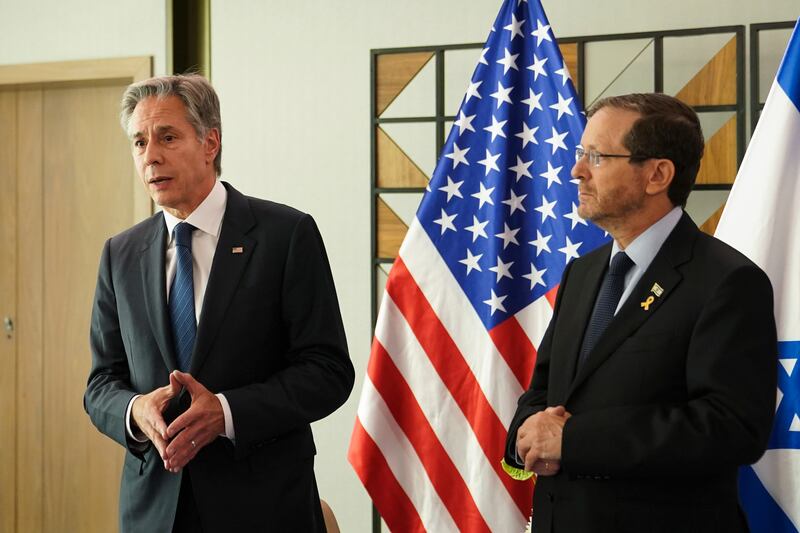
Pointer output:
237, 250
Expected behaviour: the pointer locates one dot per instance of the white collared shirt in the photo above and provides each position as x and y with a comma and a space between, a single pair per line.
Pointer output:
643, 249
207, 218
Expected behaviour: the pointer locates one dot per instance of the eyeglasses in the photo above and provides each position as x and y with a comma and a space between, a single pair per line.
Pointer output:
595, 157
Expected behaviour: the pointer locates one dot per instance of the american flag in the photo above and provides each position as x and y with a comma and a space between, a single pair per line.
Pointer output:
470, 295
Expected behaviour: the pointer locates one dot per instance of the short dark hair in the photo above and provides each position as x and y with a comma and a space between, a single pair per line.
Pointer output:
667, 129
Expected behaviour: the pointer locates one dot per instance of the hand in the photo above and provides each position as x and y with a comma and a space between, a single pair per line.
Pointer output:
539, 440
147, 410
198, 426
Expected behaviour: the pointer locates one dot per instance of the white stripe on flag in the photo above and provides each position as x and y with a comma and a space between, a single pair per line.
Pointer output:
459, 318
377, 421
534, 320
446, 418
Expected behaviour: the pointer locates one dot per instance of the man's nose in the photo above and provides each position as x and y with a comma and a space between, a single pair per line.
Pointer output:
152, 154
579, 169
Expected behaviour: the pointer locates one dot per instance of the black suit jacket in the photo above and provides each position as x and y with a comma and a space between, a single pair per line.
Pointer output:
670, 401
270, 338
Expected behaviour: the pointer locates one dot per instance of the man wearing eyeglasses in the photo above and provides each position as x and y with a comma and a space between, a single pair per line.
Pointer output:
656, 378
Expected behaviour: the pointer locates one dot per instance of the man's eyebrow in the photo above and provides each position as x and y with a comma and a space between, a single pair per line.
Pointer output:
159, 130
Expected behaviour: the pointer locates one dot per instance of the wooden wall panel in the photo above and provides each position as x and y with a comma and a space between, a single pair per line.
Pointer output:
391, 231
715, 83
30, 431
8, 307
719, 160
570, 53
86, 199
710, 225
393, 73
395, 168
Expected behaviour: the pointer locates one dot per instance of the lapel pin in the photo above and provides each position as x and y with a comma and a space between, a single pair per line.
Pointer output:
237, 250
657, 290
646, 304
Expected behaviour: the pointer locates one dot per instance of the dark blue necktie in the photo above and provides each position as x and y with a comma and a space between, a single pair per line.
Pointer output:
607, 300
181, 297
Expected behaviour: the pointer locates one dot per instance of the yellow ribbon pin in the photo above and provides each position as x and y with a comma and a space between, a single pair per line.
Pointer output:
516, 473
646, 304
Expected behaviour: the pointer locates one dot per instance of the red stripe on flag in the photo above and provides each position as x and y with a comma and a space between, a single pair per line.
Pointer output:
516, 348
393, 504
551, 296
444, 475
456, 375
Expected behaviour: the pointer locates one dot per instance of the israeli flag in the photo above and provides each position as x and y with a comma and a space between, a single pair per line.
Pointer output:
762, 220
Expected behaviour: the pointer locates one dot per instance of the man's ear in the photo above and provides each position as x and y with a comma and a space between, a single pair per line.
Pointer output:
662, 172
212, 144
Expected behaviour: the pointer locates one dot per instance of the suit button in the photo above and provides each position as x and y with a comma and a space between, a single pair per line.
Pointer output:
551, 497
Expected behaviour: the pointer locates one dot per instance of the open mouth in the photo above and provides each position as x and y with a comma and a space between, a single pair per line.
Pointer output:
158, 179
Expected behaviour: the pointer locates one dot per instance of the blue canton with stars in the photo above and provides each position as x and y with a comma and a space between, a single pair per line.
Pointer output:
501, 207
786, 428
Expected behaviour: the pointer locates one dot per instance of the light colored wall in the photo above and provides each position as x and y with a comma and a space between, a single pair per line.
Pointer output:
36, 31
294, 82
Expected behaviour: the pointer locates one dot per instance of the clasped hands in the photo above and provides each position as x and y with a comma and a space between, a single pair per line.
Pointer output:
539, 440
178, 443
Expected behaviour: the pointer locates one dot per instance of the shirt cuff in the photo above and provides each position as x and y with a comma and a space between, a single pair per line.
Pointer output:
226, 413
133, 432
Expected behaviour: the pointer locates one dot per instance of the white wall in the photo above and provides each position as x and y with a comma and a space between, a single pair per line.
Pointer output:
36, 31
293, 78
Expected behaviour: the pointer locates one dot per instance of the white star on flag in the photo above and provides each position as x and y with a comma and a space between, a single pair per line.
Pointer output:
446, 221
532, 101
557, 140
546, 209
458, 155
515, 202
464, 122
521, 168
551, 175
452, 188
508, 235
575, 217
484, 196
490, 162
472, 90
509, 61
564, 73
496, 302
562, 106
477, 228
471, 261
515, 27
502, 94
502, 269
542, 32
541, 243
538, 67
570, 250
496, 128
536, 276
527, 135
482, 59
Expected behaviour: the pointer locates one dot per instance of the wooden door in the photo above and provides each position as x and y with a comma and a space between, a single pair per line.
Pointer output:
73, 187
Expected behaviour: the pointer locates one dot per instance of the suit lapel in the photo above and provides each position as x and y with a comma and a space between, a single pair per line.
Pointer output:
580, 310
675, 251
154, 287
226, 272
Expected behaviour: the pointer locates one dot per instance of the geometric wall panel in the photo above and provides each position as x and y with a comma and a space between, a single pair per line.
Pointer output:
710, 225
395, 168
719, 160
390, 230
715, 83
394, 72
570, 53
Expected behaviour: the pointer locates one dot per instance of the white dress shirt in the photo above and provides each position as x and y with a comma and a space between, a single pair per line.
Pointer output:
207, 218
643, 249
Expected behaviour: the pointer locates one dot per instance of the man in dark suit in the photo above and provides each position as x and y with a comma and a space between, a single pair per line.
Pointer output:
216, 336
656, 377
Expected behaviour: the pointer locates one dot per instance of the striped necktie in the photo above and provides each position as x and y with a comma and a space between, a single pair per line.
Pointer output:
181, 297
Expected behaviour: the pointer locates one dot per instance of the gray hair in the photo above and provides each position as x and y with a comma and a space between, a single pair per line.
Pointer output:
197, 95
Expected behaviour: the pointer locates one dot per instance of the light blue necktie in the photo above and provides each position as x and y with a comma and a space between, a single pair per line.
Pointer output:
181, 297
